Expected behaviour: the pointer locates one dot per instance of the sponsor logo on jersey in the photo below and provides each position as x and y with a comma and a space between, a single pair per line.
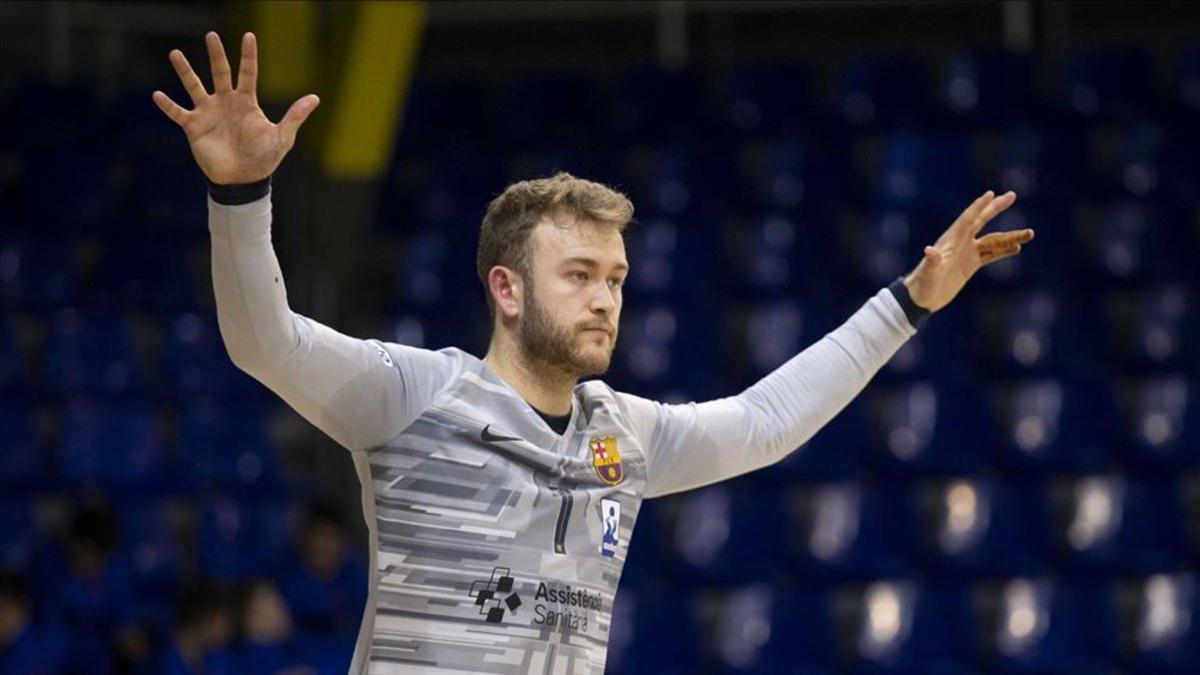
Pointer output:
384, 356
557, 606
495, 595
606, 459
489, 437
565, 609
610, 518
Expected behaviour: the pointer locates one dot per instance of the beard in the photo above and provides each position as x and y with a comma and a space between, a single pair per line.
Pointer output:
547, 343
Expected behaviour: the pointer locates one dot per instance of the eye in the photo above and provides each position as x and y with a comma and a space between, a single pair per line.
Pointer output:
579, 275
616, 283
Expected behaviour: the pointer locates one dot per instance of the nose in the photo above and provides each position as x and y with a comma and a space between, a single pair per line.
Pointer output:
603, 300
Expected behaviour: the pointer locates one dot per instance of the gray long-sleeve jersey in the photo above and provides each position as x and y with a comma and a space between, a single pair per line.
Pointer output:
496, 544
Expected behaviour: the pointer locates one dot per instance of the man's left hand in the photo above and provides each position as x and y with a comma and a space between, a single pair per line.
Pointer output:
957, 255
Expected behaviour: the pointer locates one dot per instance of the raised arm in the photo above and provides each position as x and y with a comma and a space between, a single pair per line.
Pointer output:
359, 392
695, 444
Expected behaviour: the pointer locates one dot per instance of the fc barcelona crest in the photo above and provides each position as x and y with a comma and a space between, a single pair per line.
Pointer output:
606, 459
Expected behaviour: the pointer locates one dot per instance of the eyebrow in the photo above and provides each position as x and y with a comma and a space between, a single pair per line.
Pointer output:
588, 262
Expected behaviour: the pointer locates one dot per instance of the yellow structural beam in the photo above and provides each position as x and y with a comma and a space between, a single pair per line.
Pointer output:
287, 49
366, 109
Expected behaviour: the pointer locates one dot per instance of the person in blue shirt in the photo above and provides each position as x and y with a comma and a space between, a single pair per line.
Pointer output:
325, 584
199, 640
86, 586
27, 647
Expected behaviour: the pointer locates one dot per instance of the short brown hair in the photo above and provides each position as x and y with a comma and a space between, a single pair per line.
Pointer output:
511, 217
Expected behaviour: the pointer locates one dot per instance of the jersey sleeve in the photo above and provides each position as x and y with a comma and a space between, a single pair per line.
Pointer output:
361, 393
695, 444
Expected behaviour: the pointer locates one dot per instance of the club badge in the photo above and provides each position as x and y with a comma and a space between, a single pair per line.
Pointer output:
606, 459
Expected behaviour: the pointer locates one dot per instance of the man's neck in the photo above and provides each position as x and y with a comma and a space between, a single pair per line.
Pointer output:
545, 388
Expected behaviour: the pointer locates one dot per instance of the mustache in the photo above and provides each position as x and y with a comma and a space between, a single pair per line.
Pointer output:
601, 326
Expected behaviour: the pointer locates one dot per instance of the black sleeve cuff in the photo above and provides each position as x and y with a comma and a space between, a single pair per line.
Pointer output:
916, 315
239, 193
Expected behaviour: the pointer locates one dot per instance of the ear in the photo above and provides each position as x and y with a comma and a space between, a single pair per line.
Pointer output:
505, 286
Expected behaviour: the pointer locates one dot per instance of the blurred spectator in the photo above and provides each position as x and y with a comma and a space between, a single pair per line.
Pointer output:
200, 638
325, 585
25, 646
87, 588
268, 643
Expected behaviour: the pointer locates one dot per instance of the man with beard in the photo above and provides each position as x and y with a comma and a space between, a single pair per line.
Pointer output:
500, 493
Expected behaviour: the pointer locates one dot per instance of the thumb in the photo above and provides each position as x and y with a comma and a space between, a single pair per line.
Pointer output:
934, 255
296, 115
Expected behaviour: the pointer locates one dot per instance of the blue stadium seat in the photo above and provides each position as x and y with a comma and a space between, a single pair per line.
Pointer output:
236, 540
658, 251
1163, 419
92, 352
1166, 636
921, 427
1040, 161
138, 273
433, 271
650, 104
988, 86
38, 274
769, 98
46, 116
150, 543
447, 192
1056, 425
723, 536
778, 256
195, 361
432, 329
1136, 167
1185, 103
760, 630
441, 109
116, 444
1150, 328
851, 531
18, 534
908, 628
227, 447
648, 550
884, 90
786, 172
1128, 243
985, 528
47, 174
675, 180
1115, 525
166, 193
1039, 332
22, 462
886, 247
936, 353
139, 129
545, 109
665, 351
835, 452
652, 633
932, 175
1049, 626
1108, 82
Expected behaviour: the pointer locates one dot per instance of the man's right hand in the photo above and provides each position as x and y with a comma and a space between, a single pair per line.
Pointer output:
231, 139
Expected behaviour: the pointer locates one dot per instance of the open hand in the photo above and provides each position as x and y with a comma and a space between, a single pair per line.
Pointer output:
957, 255
231, 139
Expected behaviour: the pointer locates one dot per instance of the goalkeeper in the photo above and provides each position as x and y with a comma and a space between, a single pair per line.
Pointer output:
500, 493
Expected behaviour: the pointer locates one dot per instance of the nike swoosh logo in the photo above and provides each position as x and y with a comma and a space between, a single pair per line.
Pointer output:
493, 438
